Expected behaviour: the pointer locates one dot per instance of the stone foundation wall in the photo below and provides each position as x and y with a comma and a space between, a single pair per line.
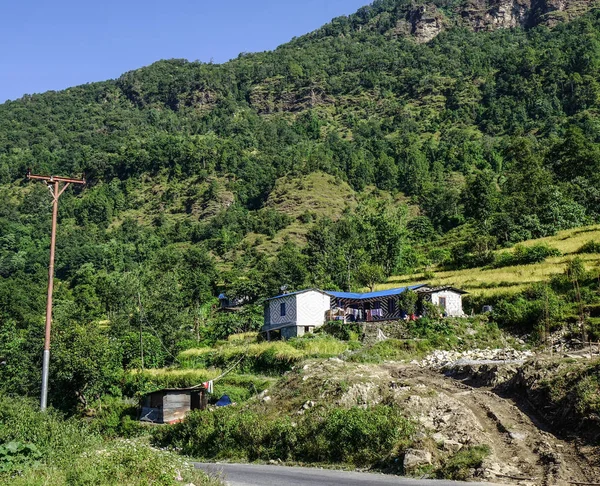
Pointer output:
391, 329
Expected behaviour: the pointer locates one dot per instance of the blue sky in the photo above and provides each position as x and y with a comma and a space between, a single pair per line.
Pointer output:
51, 45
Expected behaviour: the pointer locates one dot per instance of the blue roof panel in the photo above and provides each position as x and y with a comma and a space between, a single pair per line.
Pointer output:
355, 295
372, 295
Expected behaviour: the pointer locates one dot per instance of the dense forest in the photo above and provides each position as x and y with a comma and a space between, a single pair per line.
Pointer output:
434, 152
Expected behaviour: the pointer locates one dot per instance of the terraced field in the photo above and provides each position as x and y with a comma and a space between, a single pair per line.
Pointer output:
512, 279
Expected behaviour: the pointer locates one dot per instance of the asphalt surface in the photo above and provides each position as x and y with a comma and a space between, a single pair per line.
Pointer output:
256, 474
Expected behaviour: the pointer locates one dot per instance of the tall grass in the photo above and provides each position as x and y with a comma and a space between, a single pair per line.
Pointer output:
266, 357
67, 451
513, 279
319, 347
239, 387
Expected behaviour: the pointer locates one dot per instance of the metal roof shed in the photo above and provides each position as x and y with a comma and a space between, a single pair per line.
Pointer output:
170, 405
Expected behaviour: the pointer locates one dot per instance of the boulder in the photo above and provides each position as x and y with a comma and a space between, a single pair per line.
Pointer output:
414, 458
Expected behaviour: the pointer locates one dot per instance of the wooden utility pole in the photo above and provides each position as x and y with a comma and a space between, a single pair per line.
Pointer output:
56, 185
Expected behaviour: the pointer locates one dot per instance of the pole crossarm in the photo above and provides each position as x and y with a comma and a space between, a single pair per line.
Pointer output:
53, 178
54, 185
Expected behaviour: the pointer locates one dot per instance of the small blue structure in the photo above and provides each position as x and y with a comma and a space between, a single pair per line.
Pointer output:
224, 401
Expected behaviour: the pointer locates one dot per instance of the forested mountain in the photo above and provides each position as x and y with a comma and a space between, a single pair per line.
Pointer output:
397, 137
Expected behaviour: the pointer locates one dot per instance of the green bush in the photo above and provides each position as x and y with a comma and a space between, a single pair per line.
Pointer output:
46, 449
590, 247
340, 330
116, 417
459, 465
336, 435
16, 455
525, 255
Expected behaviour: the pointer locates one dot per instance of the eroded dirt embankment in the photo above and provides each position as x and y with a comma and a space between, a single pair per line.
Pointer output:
523, 449
472, 405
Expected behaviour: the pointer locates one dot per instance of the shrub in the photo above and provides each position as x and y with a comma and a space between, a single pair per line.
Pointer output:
46, 449
525, 255
341, 330
351, 436
16, 455
354, 436
590, 247
117, 418
459, 465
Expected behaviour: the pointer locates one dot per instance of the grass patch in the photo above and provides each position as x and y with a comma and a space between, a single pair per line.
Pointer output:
429, 334
239, 387
266, 357
47, 449
459, 465
515, 278
319, 346
392, 350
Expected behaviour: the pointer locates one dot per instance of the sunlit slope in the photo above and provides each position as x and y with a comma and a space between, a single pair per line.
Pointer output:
512, 279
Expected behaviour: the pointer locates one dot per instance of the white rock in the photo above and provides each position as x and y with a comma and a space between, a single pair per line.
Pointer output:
415, 457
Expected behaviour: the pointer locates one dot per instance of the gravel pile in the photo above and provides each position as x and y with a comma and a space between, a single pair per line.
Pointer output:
448, 359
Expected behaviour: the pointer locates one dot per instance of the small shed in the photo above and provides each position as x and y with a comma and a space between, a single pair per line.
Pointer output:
449, 299
170, 405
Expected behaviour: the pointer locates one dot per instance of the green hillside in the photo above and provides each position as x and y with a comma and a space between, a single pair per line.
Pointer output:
486, 281
403, 139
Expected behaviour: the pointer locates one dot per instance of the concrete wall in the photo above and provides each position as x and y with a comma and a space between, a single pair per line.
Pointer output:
453, 302
312, 307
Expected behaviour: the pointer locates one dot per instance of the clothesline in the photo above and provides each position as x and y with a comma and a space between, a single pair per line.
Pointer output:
222, 375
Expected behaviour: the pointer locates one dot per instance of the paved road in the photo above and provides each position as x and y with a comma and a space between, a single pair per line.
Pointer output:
255, 474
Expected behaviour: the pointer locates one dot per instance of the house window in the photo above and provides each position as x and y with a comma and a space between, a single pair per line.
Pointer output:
392, 306
306, 329
282, 309
442, 302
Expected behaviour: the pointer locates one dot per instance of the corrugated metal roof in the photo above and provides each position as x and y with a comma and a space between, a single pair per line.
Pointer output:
296, 293
372, 295
354, 295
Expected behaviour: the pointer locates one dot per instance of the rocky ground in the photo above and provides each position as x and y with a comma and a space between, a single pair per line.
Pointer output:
451, 396
523, 451
449, 359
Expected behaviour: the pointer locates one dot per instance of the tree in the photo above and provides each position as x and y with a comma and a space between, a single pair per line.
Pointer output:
480, 197
85, 365
370, 275
408, 301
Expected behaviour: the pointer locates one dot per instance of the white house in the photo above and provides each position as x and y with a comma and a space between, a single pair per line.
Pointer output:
298, 313
449, 299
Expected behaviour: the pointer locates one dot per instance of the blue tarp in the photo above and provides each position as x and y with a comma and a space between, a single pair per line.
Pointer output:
223, 401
